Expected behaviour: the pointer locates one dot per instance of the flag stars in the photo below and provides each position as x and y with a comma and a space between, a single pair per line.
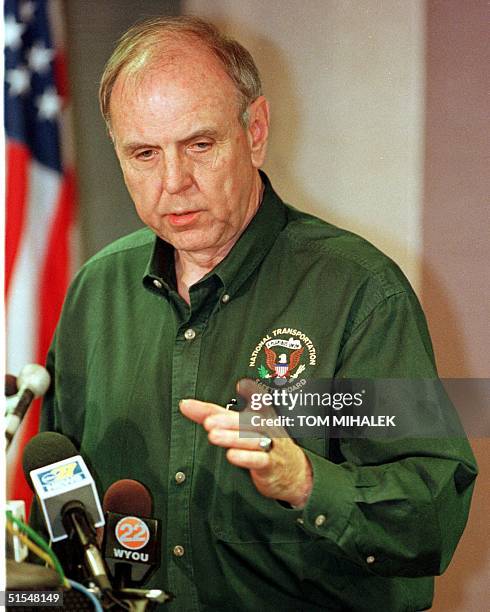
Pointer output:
48, 104
39, 57
19, 80
13, 31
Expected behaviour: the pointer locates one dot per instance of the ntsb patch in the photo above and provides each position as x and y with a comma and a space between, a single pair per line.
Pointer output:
283, 355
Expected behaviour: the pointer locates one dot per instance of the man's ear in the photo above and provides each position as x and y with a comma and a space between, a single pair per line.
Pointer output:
258, 130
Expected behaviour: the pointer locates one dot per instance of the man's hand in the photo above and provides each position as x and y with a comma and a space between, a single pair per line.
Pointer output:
283, 473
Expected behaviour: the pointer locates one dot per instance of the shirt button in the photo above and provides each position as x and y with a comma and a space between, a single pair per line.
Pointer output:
157, 283
300, 521
225, 298
370, 559
179, 477
189, 334
178, 551
320, 520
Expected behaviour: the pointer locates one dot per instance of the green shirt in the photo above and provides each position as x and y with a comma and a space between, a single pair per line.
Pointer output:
384, 516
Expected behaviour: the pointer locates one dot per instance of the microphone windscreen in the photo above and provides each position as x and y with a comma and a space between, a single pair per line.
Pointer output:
34, 377
10, 385
128, 497
45, 448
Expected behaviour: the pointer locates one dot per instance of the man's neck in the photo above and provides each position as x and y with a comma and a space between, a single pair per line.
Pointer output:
191, 266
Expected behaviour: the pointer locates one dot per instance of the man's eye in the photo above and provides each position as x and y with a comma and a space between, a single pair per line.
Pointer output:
201, 146
146, 154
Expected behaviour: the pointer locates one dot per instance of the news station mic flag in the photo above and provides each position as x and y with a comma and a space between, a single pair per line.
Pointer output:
41, 249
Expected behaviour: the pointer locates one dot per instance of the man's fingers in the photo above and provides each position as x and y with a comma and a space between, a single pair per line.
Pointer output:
263, 416
222, 420
278, 474
198, 411
232, 439
246, 387
248, 459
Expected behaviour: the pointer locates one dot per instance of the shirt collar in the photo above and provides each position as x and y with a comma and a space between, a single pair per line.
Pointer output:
245, 256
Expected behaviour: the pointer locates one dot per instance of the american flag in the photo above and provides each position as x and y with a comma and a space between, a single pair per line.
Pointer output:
40, 194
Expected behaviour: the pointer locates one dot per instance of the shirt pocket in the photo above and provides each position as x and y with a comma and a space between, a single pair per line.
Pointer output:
240, 514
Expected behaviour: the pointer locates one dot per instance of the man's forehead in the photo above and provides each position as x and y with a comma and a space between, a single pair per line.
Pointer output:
177, 59
174, 70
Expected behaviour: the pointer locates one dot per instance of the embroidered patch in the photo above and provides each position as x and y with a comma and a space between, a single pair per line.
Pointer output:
283, 355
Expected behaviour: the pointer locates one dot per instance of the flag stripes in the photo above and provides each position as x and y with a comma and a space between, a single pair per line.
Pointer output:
41, 196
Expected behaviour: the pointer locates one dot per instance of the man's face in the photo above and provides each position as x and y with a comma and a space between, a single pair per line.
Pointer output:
188, 163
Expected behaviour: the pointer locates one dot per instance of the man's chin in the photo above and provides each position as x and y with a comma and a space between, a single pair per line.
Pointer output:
197, 239
190, 241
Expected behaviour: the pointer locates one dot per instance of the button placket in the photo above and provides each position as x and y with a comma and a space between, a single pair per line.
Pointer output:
185, 371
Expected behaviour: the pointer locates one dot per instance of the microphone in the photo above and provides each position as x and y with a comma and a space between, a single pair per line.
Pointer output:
11, 391
10, 385
131, 540
68, 498
33, 381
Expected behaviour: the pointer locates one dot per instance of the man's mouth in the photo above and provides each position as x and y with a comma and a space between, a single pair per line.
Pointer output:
184, 218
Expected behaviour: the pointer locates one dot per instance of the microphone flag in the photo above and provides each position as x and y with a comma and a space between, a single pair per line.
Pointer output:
61, 482
131, 547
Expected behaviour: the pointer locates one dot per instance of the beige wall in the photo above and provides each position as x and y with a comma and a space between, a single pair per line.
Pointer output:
456, 247
345, 79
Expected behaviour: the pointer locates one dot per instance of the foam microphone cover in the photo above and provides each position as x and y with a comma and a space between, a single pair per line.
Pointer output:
132, 539
10, 385
45, 448
128, 497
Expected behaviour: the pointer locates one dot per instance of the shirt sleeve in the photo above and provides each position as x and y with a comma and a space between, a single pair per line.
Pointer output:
395, 506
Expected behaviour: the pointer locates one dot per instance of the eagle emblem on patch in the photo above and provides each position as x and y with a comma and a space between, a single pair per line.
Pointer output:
281, 366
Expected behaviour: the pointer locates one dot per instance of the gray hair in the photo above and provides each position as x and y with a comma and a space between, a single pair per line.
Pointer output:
143, 41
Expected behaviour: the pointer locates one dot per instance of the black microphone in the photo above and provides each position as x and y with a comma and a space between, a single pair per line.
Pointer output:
68, 498
33, 381
131, 539
11, 387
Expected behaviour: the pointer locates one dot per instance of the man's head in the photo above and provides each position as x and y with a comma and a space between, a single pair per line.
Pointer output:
143, 43
190, 127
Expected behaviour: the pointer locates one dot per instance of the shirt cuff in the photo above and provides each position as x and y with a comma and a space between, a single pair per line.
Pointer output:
328, 509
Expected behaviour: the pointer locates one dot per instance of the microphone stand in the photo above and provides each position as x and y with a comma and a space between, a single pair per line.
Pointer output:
139, 600
132, 599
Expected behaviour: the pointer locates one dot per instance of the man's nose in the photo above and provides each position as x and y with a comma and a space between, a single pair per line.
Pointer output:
177, 174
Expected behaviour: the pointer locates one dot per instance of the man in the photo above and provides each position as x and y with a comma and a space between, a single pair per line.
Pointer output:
159, 326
